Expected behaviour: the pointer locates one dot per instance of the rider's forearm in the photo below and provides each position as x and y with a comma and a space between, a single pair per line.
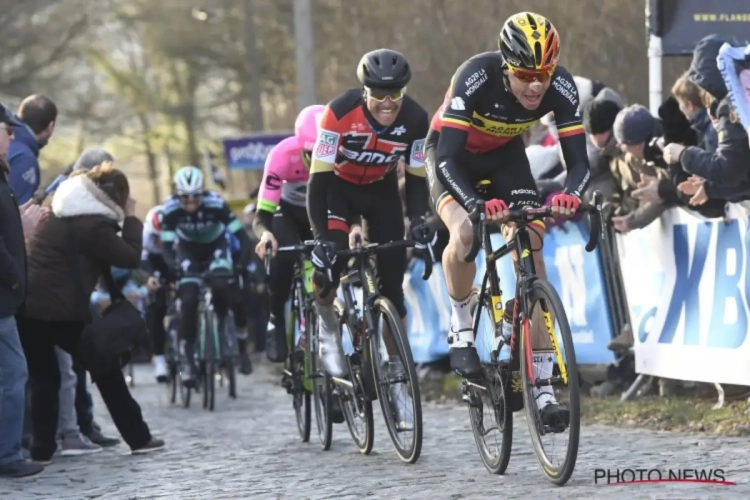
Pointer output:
169, 255
263, 222
317, 203
416, 196
246, 251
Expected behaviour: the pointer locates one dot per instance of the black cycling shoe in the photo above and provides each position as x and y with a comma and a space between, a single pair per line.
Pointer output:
555, 416
465, 362
276, 348
246, 366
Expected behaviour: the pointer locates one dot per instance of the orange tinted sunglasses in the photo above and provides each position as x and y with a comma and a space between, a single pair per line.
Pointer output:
380, 96
530, 76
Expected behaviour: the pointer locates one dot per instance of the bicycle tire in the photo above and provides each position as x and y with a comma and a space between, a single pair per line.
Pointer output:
407, 454
364, 442
542, 289
321, 392
300, 397
185, 392
209, 354
495, 384
172, 387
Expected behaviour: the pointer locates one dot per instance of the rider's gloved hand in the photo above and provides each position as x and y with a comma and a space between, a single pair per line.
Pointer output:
323, 258
564, 204
496, 210
424, 236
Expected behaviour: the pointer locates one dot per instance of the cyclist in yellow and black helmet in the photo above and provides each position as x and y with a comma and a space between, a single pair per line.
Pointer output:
476, 135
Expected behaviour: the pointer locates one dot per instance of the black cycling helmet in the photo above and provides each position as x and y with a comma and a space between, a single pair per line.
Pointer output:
384, 69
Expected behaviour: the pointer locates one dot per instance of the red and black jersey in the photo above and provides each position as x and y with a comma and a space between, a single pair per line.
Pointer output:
353, 145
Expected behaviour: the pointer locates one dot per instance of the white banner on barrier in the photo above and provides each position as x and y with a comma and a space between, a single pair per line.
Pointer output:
687, 284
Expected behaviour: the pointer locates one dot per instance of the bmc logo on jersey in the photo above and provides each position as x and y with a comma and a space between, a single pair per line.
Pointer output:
370, 157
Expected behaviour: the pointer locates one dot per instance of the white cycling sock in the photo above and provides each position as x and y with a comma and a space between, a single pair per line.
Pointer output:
461, 313
543, 366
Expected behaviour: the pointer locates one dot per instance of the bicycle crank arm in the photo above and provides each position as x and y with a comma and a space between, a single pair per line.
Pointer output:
343, 382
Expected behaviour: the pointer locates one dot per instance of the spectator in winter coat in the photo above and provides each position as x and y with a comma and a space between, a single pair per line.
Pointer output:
688, 97
726, 170
634, 129
678, 130
38, 115
66, 259
13, 372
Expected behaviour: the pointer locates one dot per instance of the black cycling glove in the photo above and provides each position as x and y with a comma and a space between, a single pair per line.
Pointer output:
323, 258
424, 236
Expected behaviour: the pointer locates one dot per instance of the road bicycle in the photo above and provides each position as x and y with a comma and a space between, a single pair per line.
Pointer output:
299, 365
373, 373
497, 391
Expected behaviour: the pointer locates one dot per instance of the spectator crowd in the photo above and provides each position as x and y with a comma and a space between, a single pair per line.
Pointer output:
56, 241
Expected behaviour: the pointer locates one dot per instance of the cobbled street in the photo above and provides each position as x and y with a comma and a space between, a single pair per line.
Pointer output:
249, 449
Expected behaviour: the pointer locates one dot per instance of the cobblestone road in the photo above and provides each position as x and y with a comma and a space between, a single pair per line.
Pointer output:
249, 449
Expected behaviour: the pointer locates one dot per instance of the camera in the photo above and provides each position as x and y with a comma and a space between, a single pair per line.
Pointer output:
653, 154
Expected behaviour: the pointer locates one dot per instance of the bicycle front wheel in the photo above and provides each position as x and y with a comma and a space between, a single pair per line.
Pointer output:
210, 354
357, 408
544, 304
489, 410
396, 382
322, 394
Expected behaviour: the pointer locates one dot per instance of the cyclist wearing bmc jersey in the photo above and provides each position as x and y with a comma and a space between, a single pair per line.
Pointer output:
281, 217
200, 220
363, 134
476, 135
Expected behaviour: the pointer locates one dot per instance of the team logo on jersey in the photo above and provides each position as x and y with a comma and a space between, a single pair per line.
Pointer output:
417, 153
326, 144
399, 130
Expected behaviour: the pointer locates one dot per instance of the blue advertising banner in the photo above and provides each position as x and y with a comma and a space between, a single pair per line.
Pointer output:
250, 152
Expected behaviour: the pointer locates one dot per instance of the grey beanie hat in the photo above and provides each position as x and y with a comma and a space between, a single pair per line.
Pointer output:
633, 125
92, 157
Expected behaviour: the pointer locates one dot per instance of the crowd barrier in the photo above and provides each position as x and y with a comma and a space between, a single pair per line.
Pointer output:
687, 284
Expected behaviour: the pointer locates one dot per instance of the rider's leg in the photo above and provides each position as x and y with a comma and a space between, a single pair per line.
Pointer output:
459, 275
282, 272
385, 222
157, 310
188, 290
329, 337
239, 311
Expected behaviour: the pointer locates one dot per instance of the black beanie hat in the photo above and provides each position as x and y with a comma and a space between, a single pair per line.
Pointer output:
599, 115
676, 127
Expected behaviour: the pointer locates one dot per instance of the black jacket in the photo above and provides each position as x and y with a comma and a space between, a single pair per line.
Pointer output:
12, 252
728, 168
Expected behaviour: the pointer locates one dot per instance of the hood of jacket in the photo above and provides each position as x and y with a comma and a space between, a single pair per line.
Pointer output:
704, 71
79, 195
27, 137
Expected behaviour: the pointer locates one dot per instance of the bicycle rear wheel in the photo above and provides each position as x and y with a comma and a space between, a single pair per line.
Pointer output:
322, 394
489, 412
397, 383
542, 294
357, 408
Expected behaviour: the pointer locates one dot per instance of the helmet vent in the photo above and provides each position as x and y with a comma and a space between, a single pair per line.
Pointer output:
532, 21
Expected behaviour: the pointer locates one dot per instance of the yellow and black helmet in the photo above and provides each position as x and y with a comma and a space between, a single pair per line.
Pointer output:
529, 42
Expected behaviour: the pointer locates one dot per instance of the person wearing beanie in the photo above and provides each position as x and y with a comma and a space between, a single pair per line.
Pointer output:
634, 127
89, 159
598, 119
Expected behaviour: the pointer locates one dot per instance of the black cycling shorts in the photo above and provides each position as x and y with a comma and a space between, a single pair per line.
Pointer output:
506, 169
379, 204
